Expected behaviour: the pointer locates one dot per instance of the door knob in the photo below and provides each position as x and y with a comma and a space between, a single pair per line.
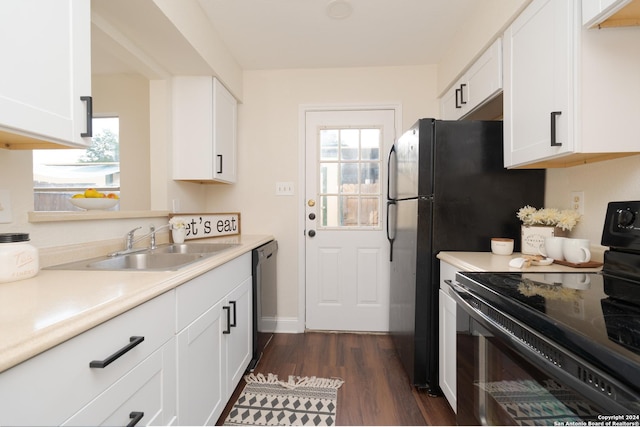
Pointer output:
311, 202
311, 233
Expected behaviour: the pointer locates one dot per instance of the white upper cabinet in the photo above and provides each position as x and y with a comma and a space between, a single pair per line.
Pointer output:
481, 83
204, 130
598, 13
569, 93
539, 59
46, 73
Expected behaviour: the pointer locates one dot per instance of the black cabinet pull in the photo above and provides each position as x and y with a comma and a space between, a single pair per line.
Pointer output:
554, 115
228, 310
89, 101
135, 418
462, 86
133, 341
233, 324
219, 163
458, 93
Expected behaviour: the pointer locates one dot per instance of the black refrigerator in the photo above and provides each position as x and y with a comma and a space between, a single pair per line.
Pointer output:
447, 191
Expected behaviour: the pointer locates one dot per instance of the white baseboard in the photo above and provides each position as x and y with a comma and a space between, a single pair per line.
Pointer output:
282, 325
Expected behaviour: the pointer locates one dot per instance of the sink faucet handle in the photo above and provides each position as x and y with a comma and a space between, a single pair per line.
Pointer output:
129, 237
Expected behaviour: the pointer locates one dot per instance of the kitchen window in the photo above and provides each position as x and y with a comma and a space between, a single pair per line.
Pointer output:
350, 191
59, 174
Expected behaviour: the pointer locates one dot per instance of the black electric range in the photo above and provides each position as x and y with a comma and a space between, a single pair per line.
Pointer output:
595, 316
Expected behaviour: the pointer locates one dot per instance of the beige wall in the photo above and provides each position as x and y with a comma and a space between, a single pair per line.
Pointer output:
127, 96
602, 182
269, 144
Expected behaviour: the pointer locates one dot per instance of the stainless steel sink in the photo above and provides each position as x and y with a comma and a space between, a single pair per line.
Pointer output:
163, 258
142, 261
146, 261
194, 248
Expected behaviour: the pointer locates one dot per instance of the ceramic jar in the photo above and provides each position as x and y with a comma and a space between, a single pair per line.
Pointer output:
18, 259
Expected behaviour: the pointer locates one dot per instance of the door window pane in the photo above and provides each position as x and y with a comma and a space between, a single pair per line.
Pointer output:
329, 178
370, 178
370, 144
349, 144
349, 173
349, 177
329, 144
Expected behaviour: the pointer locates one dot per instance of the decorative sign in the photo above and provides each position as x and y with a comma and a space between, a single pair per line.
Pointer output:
203, 225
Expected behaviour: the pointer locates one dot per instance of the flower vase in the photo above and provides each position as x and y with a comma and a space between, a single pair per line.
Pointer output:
178, 235
533, 237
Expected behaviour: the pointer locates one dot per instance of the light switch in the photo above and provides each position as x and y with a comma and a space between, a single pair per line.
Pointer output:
5, 207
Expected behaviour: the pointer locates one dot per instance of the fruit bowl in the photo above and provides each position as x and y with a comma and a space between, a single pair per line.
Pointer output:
89, 203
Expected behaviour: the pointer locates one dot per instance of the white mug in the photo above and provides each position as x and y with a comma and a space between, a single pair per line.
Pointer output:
552, 248
576, 250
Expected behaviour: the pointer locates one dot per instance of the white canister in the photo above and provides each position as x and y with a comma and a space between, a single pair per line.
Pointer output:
18, 259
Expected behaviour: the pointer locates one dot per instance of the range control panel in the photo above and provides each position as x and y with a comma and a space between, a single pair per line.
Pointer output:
622, 226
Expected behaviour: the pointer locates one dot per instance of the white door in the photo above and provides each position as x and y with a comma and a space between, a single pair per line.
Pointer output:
347, 253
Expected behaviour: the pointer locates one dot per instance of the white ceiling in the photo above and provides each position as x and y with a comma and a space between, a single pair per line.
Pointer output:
271, 34
274, 34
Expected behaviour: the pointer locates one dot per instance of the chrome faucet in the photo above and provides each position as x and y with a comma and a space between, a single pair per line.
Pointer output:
152, 232
130, 240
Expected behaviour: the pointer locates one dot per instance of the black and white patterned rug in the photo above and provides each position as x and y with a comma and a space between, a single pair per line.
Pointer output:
300, 401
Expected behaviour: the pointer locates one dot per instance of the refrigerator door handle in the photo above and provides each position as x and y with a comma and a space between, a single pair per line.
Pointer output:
391, 233
391, 172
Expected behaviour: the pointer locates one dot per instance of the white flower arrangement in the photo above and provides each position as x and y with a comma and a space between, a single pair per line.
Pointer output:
177, 223
564, 219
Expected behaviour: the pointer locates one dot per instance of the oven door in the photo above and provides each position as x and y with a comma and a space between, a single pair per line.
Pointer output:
503, 381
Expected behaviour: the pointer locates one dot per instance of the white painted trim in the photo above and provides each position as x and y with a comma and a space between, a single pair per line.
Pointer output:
288, 325
303, 109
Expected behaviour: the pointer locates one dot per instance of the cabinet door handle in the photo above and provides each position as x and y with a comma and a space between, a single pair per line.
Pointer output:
458, 95
89, 101
233, 323
462, 86
133, 341
219, 163
135, 418
228, 310
554, 115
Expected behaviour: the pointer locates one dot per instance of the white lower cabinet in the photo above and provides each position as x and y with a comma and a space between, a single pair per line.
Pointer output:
447, 336
135, 369
61, 385
239, 341
215, 348
144, 396
200, 364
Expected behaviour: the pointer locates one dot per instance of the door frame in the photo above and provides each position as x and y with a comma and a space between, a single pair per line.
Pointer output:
302, 155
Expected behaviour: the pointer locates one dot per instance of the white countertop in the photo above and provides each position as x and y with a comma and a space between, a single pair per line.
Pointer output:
486, 261
56, 305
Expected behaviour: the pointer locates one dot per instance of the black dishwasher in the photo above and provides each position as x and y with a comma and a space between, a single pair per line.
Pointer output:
265, 302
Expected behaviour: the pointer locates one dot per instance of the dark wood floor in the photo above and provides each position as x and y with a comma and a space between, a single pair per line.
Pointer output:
376, 390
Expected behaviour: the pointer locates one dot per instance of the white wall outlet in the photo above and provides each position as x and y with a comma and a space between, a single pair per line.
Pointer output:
577, 201
5, 207
284, 189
